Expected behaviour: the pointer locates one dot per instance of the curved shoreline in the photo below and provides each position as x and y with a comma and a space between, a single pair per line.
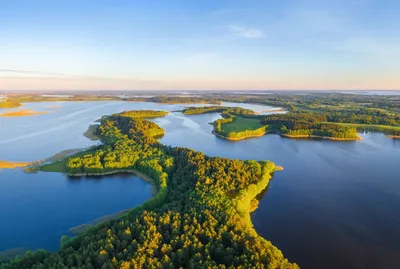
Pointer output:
320, 137
237, 138
79, 229
289, 136
130, 171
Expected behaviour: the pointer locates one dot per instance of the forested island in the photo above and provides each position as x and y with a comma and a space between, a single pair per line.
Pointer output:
144, 113
238, 124
198, 219
334, 120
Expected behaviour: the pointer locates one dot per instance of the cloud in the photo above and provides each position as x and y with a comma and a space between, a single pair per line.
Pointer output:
245, 32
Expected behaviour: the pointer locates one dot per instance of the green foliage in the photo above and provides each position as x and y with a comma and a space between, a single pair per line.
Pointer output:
217, 109
308, 124
237, 127
199, 218
144, 113
9, 104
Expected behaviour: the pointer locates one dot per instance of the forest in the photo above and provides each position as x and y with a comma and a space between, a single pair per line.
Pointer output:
217, 109
198, 219
308, 124
341, 124
144, 113
239, 124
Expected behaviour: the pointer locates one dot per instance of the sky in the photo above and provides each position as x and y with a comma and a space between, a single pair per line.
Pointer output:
199, 45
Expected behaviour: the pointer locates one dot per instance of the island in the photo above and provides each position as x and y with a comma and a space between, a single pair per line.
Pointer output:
238, 124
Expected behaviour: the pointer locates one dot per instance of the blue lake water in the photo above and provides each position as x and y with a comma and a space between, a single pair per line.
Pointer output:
336, 204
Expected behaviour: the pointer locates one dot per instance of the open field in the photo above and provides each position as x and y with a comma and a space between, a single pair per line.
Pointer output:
241, 124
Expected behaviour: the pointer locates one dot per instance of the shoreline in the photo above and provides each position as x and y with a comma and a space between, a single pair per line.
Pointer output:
237, 138
320, 137
394, 136
79, 229
128, 171
292, 137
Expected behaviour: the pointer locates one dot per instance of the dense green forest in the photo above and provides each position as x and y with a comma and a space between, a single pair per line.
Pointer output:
238, 124
199, 218
144, 113
9, 104
217, 109
308, 124
328, 122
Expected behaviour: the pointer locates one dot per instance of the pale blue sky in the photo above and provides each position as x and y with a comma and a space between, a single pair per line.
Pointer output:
207, 44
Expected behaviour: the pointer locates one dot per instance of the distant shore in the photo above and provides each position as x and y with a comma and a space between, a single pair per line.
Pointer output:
131, 171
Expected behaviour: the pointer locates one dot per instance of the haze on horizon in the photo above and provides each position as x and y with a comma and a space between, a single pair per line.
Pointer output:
199, 45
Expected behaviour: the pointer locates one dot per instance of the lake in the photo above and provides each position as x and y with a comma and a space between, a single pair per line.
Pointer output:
336, 204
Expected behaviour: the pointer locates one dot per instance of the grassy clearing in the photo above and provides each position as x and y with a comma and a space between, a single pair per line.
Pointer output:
241, 124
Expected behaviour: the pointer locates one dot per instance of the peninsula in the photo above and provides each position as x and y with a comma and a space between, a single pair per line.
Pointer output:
200, 215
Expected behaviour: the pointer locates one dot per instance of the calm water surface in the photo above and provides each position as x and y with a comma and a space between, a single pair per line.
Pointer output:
336, 204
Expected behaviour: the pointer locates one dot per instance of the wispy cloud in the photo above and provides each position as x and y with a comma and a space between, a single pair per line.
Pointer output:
245, 32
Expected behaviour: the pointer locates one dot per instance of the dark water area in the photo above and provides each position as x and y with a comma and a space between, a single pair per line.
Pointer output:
37, 209
336, 204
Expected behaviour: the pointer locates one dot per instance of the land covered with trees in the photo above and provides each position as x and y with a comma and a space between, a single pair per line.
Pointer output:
381, 113
217, 109
314, 115
238, 124
144, 113
198, 219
